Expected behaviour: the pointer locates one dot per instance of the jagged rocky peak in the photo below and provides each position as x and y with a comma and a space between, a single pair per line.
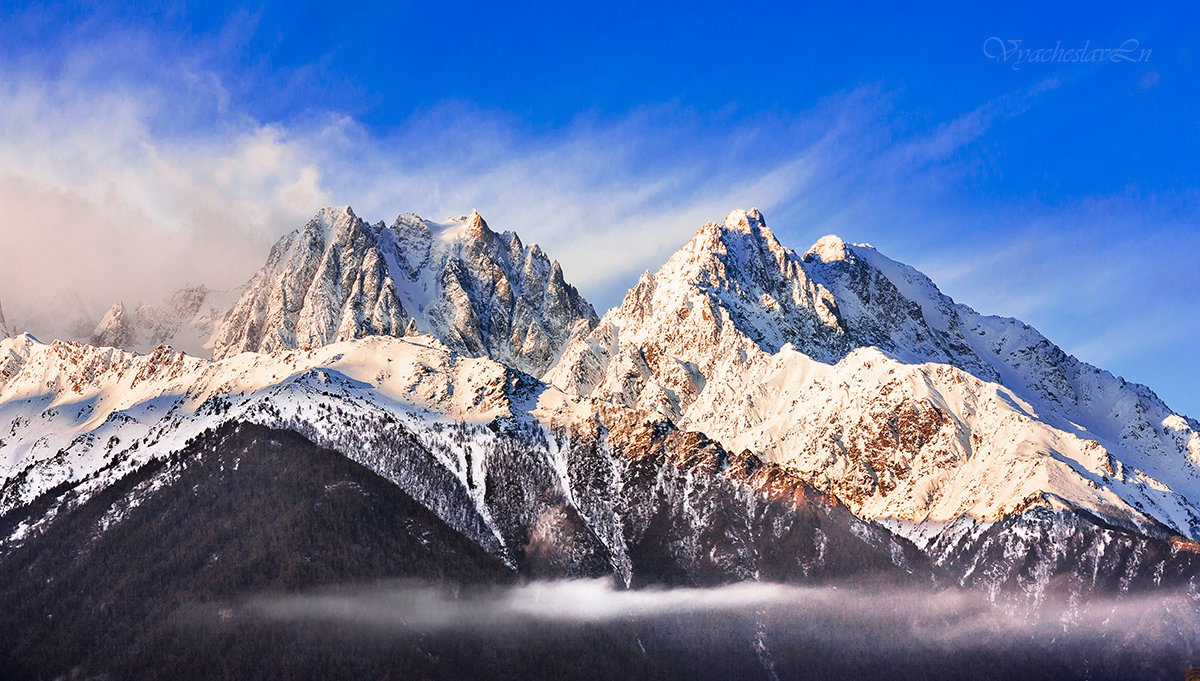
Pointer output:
837, 297
731, 293
741, 240
734, 291
480, 292
331, 221
116, 329
3, 325
475, 225
324, 282
746, 221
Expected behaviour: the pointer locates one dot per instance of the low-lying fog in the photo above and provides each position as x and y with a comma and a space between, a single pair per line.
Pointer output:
785, 631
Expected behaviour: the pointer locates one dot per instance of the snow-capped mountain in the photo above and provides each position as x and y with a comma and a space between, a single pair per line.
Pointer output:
412, 349
856, 373
747, 413
185, 320
479, 292
548, 484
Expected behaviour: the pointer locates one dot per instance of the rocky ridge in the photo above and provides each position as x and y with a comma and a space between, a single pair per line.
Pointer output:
480, 292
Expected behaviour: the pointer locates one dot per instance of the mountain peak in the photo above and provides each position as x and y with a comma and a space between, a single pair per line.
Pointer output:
476, 226
116, 329
116, 312
331, 219
746, 221
828, 248
740, 246
473, 224
741, 234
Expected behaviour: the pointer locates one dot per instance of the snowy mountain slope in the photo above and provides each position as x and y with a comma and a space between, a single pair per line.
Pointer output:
1067, 393
536, 478
838, 372
338, 278
855, 372
76, 411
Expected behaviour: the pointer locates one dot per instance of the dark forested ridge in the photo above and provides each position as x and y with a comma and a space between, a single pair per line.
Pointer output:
150, 579
242, 510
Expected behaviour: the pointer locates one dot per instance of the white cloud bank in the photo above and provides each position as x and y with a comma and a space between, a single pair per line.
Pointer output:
95, 203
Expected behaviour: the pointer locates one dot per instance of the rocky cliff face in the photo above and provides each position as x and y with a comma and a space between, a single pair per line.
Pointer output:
338, 278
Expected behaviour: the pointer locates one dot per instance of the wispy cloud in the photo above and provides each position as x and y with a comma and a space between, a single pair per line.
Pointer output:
156, 174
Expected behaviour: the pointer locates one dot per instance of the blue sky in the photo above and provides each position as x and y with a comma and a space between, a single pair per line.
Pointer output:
146, 148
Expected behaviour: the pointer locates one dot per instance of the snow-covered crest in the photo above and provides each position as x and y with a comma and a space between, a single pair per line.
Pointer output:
85, 416
500, 457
